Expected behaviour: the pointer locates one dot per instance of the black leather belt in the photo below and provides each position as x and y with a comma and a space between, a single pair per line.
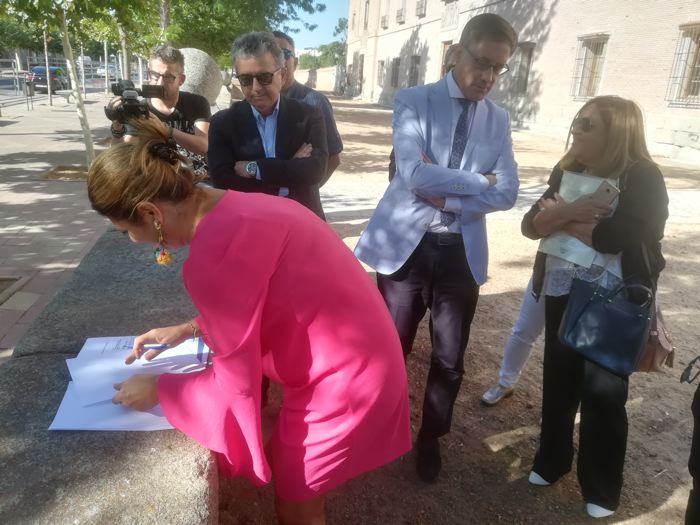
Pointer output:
443, 239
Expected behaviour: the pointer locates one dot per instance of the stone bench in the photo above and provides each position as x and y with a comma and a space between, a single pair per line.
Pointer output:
97, 477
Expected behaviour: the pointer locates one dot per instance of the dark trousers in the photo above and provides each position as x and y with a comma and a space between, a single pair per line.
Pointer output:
570, 380
436, 276
692, 511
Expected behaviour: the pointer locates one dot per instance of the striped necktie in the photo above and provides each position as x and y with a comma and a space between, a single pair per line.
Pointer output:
459, 143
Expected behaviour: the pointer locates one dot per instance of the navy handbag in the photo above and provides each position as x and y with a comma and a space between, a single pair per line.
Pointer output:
607, 327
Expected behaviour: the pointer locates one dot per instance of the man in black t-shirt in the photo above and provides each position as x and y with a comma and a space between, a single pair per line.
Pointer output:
185, 113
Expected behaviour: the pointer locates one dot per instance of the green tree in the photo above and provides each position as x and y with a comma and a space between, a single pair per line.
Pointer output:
307, 61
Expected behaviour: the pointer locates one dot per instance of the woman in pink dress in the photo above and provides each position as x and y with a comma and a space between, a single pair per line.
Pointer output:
278, 293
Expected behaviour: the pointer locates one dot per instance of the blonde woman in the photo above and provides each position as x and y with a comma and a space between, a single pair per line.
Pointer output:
608, 142
278, 293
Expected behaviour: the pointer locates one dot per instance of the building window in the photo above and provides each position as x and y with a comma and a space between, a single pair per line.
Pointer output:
420, 8
414, 71
445, 47
395, 65
380, 73
684, 84
521, 66
366, 24
352, 21
589, 65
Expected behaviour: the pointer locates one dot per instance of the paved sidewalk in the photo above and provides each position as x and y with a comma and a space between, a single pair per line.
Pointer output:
46, 226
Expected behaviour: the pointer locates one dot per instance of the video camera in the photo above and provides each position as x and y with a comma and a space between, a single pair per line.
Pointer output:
132, 106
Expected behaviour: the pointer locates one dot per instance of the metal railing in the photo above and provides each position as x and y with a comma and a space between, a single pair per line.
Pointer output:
684, 82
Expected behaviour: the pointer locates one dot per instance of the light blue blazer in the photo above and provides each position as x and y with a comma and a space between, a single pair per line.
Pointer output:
422, 124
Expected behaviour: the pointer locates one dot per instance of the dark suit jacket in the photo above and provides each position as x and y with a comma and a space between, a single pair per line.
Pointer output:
234, 136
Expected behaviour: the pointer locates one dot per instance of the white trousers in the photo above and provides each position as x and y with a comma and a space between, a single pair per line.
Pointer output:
527, 329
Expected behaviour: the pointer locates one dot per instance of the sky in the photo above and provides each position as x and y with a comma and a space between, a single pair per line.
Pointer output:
326, 22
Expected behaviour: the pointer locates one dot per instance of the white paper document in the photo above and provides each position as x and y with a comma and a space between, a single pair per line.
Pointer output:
72, 415
560, 244
87, 404
100, 365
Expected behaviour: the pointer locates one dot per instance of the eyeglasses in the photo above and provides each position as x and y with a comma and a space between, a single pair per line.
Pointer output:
685, 375
154, 76
264, 79
582, 125
484, 64
288, 53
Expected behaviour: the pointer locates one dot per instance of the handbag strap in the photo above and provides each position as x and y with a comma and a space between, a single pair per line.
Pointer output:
645, 256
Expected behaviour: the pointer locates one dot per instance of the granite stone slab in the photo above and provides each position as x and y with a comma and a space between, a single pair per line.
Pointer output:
116, 290
97, 477
62, 477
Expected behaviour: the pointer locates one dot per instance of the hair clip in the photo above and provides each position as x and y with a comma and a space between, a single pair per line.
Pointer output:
165, 150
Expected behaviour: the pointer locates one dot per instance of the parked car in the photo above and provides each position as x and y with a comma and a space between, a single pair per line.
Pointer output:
58, 76
86, 59
111, 70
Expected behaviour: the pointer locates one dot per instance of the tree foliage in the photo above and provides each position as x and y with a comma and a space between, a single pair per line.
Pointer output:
332, 54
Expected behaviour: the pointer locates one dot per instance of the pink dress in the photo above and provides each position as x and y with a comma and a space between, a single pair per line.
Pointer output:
279, 293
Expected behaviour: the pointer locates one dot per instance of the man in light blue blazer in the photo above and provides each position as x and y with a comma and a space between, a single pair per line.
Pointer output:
427, 237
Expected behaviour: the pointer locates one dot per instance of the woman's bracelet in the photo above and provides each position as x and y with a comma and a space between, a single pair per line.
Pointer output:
117, 134
193, 327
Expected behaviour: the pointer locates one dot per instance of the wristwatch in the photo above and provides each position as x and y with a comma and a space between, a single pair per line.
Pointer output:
251, 168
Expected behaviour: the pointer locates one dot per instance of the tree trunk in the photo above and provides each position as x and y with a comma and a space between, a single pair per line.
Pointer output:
164, 19
16, 72
46, 61
106, 68
123, 42
80, 106
82, 67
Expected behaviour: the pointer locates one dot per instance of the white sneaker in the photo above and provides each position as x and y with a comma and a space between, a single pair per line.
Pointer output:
536, 479
596, 511
496, 394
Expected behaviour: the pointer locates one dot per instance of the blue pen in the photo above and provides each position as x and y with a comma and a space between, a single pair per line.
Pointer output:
156, 346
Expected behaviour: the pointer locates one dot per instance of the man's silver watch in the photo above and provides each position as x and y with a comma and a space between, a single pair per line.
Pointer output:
251, 168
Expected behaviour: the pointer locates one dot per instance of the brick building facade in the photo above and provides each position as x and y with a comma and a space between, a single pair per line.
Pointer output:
570, 50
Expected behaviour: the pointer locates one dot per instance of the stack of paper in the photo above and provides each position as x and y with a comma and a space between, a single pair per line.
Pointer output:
87, 404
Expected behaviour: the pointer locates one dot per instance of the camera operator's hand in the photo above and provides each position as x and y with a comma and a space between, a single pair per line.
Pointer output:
117, 128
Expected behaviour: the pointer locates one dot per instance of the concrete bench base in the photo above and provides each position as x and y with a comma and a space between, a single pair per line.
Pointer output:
97, 477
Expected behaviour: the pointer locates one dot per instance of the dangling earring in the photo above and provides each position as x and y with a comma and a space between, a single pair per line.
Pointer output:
162, 255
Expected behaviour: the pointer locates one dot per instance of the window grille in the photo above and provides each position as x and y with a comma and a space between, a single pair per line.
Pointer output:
420, 8
589, 65
385, 22
414, 70
395, 65
684, 84
400, 16
522, 66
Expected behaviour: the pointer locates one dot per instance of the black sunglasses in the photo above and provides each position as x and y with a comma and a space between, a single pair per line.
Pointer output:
288, 53
685, 375
582, 124
264, 79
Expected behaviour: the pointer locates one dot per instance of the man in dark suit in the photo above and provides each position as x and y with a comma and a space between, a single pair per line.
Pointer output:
267, 143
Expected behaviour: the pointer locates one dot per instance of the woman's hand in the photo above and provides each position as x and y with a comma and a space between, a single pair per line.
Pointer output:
584, 209
583, 231
139, 392
167, 336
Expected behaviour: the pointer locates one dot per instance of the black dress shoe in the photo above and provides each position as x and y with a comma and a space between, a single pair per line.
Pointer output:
428, 461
